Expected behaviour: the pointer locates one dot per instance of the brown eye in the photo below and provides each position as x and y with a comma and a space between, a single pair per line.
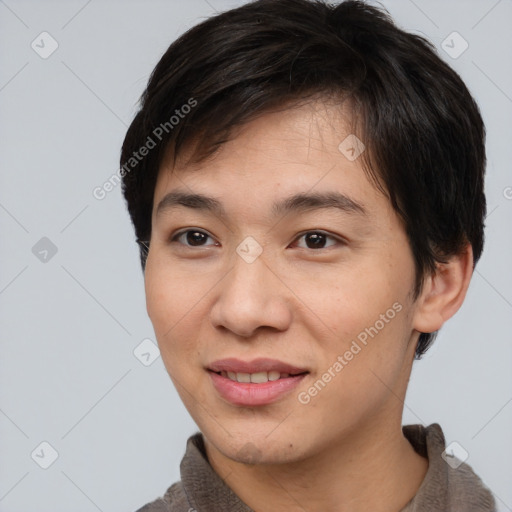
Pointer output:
316, 240
192, 238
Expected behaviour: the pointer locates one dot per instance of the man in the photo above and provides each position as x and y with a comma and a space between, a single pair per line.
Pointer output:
306, 185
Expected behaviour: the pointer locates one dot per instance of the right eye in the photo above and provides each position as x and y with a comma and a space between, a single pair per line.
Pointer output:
192, 238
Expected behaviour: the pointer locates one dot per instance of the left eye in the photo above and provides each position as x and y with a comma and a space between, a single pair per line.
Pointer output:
316, 240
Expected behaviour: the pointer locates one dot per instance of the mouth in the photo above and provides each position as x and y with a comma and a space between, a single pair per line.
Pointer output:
257, 377
258, 382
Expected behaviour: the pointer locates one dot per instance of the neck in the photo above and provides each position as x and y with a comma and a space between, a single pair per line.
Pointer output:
375, 468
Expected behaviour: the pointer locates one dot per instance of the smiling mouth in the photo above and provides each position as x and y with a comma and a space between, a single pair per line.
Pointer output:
257, 377
261, 381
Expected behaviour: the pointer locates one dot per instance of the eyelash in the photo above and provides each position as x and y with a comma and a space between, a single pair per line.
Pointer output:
175, 237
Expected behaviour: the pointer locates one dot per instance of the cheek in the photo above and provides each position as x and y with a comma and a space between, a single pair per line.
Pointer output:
174, 301
360, 373
171, 291
347, 299
365, 306
375, 330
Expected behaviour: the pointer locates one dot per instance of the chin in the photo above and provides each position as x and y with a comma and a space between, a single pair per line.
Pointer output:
257, 448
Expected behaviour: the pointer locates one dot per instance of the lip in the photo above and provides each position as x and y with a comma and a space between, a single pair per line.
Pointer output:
256, 365
250, 394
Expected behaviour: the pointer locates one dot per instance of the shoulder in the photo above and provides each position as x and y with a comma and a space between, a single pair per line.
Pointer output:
467, 489
450, 483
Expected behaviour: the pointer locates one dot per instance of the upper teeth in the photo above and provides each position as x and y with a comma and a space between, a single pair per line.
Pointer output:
256, 378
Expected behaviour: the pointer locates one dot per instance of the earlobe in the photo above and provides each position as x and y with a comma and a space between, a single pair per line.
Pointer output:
444, 292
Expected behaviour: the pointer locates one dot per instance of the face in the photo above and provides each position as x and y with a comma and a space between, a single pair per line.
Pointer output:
279, 282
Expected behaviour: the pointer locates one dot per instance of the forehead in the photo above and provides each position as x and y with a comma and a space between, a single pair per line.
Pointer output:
284, 129
280, 153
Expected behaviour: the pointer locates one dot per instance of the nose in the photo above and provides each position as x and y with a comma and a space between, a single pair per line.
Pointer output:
250, 297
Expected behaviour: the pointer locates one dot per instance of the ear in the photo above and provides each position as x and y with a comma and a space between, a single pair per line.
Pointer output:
443, 292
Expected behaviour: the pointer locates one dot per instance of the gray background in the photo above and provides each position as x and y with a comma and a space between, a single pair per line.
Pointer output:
71, 321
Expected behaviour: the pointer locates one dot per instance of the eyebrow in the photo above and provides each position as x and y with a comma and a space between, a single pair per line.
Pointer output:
297, 203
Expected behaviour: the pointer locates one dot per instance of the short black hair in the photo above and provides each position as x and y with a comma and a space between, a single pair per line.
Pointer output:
423, 132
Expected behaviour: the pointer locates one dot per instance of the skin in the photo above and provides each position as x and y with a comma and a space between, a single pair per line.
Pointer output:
343, 450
